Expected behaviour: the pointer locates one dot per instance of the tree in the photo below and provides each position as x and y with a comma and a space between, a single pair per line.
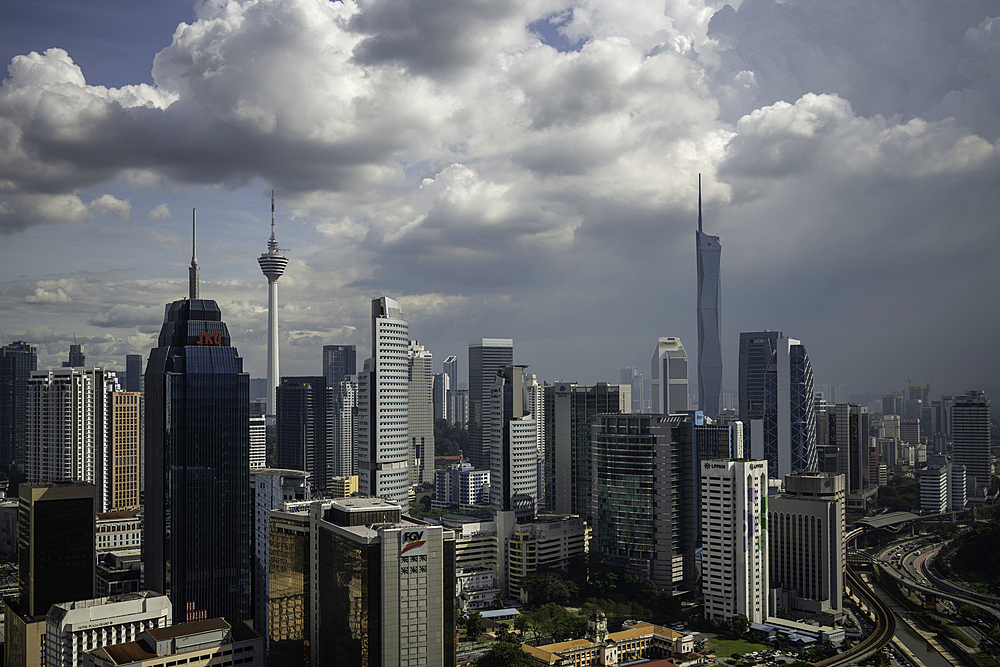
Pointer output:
741, 624
968, 611
521, 624
474, 625
506, 635
506, 655
549, 586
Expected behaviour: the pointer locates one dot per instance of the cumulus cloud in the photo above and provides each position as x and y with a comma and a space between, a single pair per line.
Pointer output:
161, 212
502, 181
111, 205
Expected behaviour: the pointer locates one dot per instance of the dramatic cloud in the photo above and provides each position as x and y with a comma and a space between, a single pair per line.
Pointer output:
525, 168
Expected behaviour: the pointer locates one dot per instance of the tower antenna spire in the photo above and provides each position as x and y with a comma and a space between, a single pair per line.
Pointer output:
193, 271
699, 202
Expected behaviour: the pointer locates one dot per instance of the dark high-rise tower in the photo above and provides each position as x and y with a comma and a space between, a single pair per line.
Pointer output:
486, 357
198, 532
709, 318
17, 360
305, 428
339, 363
133, 372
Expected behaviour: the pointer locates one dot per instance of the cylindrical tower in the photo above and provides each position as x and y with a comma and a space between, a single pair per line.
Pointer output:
272, 264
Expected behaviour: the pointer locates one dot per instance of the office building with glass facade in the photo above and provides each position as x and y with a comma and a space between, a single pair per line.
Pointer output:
643, 495
486, 357
198, 533
709, 251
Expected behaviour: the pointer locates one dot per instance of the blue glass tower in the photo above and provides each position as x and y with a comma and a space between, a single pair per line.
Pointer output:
709, 316
198, 531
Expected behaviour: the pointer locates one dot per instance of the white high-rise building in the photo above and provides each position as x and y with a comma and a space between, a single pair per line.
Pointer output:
806, 533
258, 442
534, 403
272, 264
734, 539
669, 377
68, 427
383, 443
345, 437
513, 447
421, 414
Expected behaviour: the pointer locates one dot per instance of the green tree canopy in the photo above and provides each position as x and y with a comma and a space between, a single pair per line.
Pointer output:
506, 655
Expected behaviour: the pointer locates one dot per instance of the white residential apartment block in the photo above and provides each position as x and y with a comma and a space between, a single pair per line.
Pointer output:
72, 628
383, 443
258, 442
734, 539
462, 485
69, 426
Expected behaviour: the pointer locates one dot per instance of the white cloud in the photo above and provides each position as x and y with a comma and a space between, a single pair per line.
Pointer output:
111, 205
161, 212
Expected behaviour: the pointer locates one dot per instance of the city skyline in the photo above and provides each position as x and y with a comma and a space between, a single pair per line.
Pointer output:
856, 214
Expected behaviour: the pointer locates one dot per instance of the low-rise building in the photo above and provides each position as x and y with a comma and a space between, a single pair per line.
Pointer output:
476, 588
118, 530
118, 572
72, 628
635, 642
550, 542
210, 643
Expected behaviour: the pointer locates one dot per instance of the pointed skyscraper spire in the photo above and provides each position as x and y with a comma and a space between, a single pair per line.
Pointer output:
699, 202
193, 271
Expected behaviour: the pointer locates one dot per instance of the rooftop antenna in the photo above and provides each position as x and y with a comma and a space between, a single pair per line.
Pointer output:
193, 271
699, 202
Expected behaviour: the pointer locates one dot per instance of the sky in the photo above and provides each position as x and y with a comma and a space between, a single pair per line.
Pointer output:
520, 169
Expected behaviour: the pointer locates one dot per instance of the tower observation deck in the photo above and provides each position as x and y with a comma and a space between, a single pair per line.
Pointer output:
272, 264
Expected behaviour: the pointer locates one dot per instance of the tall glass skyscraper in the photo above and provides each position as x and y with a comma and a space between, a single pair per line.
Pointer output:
777, 402
709, 318
17, 360
486, 357
198, 532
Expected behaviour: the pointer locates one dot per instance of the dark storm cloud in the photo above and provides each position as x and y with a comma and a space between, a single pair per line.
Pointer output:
884, 56
429, 37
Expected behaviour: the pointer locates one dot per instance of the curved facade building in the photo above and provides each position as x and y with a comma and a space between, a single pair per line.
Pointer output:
709, 318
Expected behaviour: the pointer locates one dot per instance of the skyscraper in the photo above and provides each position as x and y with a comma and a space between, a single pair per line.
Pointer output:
642, 498
69, 427
806, 533
421, 413
383, 443
735, 543
441, 387
56, 563
632, 377
17, 361
121, 481
272, 264
197, 546
345, 435
848, 426
77, 358
570, 411
971, 433
450, 367
486, 357
133, 372
777, 402
513, 447
305, 428
669, 376
709, 318
339, 363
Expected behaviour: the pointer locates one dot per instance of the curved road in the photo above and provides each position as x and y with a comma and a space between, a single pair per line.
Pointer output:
885, 626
